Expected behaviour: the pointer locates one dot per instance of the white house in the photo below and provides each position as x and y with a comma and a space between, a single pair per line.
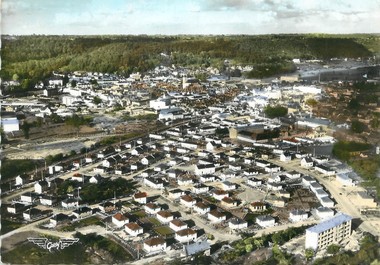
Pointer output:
22, 179
152, 208
48, 200
254, 182
177, 225
201, 208
204, 169
164, 216
324, 213
41, 186
176, 193
226, 185
307, 162
182, 181
140, 197
133, 229
297, 216
265, 221
155, 183
187, 201
219, 194
325, 170
119, 220
216, 216
237, 223
69, 203
154, 245
200, 188
185, 235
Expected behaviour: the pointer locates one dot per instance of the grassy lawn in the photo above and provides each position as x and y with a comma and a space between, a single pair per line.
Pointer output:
140, 214
7, 226
93, 220
13, 167
154, 221
163, 230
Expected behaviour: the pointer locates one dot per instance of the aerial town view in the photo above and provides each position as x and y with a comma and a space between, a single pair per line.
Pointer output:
190, 132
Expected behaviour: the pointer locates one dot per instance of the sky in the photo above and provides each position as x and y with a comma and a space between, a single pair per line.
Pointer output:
170, 17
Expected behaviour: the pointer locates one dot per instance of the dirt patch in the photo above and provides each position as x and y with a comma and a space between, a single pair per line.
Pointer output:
12, 241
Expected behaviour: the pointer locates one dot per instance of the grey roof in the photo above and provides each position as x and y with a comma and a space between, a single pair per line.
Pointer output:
196, 247
330, 223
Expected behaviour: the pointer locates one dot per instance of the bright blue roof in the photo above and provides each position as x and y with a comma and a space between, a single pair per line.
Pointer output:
330, 223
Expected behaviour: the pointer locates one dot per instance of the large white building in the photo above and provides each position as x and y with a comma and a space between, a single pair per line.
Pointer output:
10, 124
331, 231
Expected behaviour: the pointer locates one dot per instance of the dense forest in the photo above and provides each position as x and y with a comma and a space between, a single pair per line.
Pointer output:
34, 57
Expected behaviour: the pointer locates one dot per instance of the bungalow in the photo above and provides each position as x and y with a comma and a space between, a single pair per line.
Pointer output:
140, 197
155, 183
216, 216
293, 174
82, 212
315, 186
187, 201
200, 188
262, 163
219, 194
257, 206
139, 150
96, 179
189, 145
133, 229
226, 185
201, 208
69, 203
41, 186
272, 168
176, 193
254, 182
326, 202
107, 207
161, 167
307, 162
211, 146
136, 166
29, 197
250, 172
31, 214
59, 218
109, 162
286, 157
16, 208
48, 200
204, 169
228, 202
237, 223
148, 160
119, 220
325, 170
249, 160
152, 208
207, 178
174, 173
265, 221
164, 216
184, 181
297, 216
177, 225
233, 158
324, 213
154, 245
275, 186
321, 159
79, 177
22, 179
308, 180
185, 235
122, 169
234, 167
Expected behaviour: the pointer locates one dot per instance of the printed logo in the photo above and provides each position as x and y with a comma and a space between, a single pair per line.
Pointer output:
45, 243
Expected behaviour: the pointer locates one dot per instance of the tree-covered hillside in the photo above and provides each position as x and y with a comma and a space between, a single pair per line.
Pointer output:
35, 57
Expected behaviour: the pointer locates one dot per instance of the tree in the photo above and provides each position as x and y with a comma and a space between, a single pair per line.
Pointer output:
26, 129
15, 77
311, 102
275, 112
73, 83
248, 248
97, 100
357, 126
333, 249
309, 254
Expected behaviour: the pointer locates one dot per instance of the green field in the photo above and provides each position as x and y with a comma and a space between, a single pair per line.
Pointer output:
163, 230
93, 220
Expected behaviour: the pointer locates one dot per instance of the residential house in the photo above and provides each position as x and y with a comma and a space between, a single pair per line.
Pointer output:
200, 188
325, 170
133, 229
207, 178
257, 206
119, 220
188, 201
237, 223
182, 181
155, 183
82, 212
185, 235
201, 208
154, 245
307, 162
22, 179
31, 214
69, 203
226, 185
140, 197
265, 221
324, 213
96, 179
293, 174
48, 200
152, 208
254, 182
16, 208
219, 194
41, 186
59, 219
107, 207
228, 202
297, 216
216, 216
29, 197
164, 216
177, 225
204, 169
